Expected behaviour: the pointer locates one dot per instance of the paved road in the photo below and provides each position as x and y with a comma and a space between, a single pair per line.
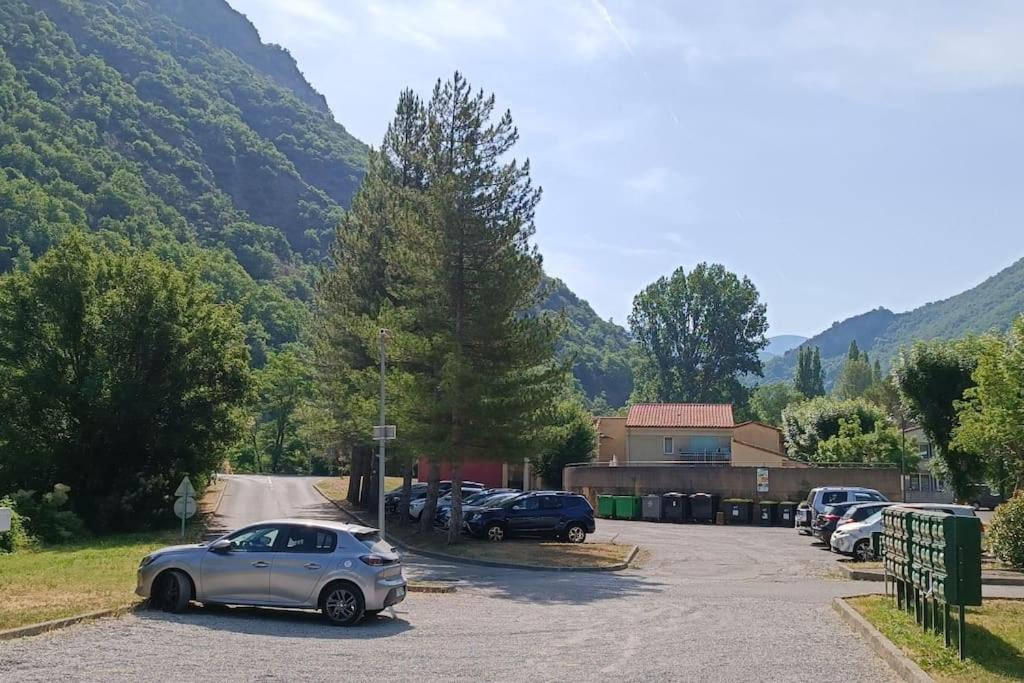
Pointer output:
710, 604
250, 498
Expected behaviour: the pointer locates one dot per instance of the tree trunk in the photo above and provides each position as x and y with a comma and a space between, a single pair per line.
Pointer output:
353, 476
454, 529
430, 509
403, 504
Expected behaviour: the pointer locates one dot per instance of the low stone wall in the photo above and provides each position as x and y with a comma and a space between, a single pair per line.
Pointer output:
726, 481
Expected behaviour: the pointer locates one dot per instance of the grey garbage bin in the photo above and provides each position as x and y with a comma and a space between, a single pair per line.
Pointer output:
652, 507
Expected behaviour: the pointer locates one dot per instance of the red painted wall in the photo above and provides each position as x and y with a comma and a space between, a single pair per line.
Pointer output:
484, 471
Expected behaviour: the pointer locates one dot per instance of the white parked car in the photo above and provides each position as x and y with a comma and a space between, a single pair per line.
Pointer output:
855, 538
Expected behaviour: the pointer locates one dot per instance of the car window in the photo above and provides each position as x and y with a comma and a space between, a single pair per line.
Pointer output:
550, 503
832, 497
531, 503
255, 539
863, 495
303, 539
373, 542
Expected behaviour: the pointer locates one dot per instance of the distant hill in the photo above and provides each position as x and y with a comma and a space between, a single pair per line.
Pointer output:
779, 344
599, 347
991, 305
171, 124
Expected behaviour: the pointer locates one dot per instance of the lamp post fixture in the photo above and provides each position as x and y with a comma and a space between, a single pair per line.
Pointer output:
382, 436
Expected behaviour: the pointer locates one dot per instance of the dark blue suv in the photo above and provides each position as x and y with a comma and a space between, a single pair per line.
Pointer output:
559, 514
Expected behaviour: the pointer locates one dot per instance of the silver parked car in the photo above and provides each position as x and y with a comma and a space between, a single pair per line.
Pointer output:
344, 570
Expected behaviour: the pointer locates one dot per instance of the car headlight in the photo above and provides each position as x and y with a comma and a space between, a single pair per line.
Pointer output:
148, 559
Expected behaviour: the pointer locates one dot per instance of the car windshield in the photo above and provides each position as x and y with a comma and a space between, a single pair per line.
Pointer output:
873, 519
497, 499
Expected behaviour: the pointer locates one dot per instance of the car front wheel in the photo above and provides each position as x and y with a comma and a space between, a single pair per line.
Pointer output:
343, 604
575, 533
862, 551
172, 592
495, 532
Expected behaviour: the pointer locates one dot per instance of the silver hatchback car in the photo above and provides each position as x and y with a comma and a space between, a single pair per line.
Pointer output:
344, 570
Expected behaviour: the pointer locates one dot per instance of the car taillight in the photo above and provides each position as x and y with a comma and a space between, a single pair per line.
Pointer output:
375, 560
830, 518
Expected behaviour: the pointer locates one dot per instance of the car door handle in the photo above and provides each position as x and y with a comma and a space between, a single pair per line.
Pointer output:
261, 564
311, 565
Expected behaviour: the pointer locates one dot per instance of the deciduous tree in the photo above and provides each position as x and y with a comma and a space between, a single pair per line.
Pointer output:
697, 333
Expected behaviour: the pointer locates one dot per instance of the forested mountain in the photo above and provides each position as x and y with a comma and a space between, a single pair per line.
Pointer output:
599, 347
992, 305
141, 121
179, 130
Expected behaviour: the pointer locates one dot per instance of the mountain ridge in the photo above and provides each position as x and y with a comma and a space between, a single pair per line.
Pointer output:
990, 305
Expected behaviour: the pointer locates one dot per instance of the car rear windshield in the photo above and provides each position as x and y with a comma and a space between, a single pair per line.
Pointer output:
373, 542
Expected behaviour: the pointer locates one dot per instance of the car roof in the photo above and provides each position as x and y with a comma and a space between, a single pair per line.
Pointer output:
846, 488
322, 523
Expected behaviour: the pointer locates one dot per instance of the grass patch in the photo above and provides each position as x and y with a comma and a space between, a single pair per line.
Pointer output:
535, 552
55, 582
336, 488
995, 639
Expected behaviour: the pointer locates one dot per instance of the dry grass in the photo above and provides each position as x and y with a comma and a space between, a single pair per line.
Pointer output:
64, 581
532, 552
994, 643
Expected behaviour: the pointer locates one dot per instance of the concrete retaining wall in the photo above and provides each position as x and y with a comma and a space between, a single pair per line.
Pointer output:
726, 481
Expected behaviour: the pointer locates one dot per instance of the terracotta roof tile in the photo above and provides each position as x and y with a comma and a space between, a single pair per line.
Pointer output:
680, 415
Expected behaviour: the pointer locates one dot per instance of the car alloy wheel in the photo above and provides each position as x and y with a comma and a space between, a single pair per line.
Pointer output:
341, 605
495, 533
576, 534
862, 551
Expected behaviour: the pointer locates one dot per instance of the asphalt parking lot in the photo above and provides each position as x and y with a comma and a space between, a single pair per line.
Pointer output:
707, 604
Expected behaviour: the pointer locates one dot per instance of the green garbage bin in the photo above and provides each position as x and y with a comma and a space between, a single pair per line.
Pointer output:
628, 507
786, 514
606, 507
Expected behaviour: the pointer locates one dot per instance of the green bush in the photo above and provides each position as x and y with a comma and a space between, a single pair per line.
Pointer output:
45, 518
18, 537
1006, 532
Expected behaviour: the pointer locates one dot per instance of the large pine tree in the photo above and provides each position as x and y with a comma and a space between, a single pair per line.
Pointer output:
473, 276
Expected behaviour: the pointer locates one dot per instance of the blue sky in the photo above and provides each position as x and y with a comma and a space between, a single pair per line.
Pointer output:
842, 155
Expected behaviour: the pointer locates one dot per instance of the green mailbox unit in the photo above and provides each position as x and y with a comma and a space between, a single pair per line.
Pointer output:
934, 561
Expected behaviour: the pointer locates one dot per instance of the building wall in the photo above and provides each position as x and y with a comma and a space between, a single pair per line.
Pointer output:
491, 473
745, 455
784, 483
646, 444
612, 441
757, 434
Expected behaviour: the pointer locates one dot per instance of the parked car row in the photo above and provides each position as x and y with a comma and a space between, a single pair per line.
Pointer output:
845, 518
393, 498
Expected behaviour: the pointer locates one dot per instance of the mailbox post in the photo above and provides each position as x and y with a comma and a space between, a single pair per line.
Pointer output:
933, 560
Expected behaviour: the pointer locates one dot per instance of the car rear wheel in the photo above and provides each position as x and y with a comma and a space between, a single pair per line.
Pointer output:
172, 591
342, 604
495, 532
575, 533
862, 550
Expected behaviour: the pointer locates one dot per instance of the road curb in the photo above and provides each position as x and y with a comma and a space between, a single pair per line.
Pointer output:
904, 667
618, 566
876, 575
429, 587
55, 624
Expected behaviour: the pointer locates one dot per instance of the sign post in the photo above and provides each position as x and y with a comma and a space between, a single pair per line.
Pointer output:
185, 503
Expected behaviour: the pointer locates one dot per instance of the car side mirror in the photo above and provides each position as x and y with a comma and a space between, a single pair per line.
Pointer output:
221, 546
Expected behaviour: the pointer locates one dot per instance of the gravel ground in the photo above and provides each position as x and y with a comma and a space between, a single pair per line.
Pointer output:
709, 604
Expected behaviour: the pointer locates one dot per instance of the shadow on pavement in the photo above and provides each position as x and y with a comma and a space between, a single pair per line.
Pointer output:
265, 621
543, 587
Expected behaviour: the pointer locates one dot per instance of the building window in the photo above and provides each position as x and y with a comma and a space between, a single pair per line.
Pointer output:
940, 485
668, 449
914, 483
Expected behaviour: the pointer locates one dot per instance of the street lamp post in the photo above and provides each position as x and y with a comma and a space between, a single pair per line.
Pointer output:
383, 435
